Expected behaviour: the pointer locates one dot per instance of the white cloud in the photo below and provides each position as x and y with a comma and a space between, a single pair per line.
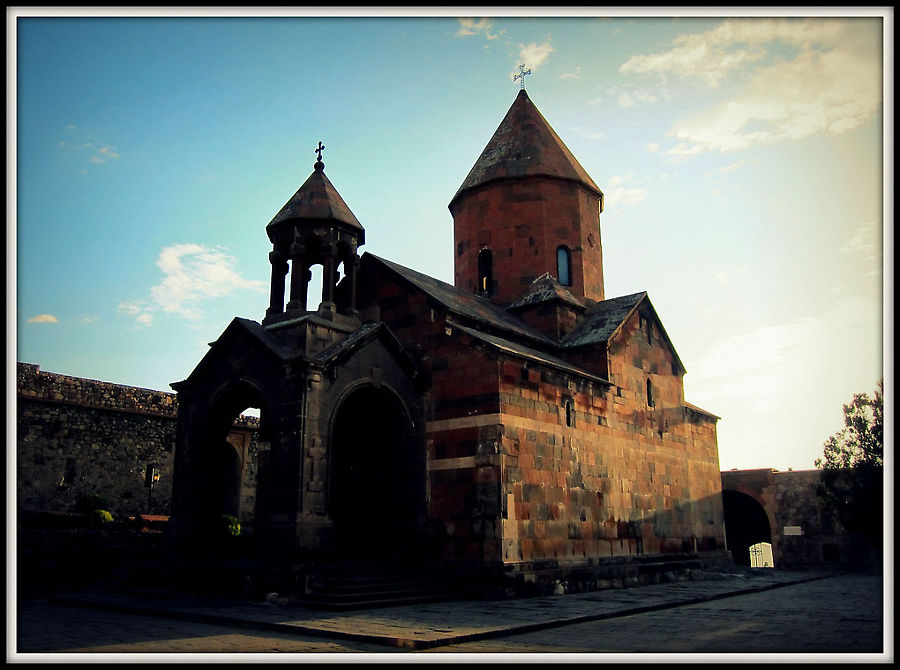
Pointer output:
468, 27
866, 242
534, 55
795, 78
192, 273
681, 151
89, 319
712, 55
101, 154
652, 147
43, 318
572, 75
636, 97
97, 152
815, 93
620, 191
730, 168
595, 136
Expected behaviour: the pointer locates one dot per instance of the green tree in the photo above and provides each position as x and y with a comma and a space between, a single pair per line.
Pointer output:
852, 465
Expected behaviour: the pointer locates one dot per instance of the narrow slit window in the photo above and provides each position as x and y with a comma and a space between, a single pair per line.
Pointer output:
650, 393
564, 266
485, 271
570, 414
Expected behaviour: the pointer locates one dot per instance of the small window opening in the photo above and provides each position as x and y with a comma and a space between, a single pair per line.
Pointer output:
650, 402
564, 266
485, 272
570, 414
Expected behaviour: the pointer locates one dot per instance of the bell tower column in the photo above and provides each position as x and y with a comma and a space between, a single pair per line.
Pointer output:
300, 277
329, 263
276, 293
351, 267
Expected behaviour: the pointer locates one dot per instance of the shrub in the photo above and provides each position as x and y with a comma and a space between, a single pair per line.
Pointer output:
230, 525
100, 517
88, 503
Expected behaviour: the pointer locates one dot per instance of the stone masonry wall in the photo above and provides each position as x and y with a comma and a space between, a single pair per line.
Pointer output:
625, 479
523, 222
79, 436
803, 533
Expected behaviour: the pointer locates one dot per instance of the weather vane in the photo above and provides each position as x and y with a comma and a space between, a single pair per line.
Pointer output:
319, 150
521, 75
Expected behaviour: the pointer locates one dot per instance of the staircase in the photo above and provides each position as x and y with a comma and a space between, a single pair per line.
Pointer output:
366, 586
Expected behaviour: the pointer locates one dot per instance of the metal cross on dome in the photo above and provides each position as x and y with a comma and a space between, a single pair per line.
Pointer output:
319, 151
521, 75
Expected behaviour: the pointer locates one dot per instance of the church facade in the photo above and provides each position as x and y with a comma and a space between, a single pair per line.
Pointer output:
516, 421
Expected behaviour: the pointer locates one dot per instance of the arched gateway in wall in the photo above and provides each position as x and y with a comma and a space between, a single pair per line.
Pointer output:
746, 524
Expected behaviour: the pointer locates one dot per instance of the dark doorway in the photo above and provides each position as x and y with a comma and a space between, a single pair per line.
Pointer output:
746, 524
225, 474
377, 493
227, 470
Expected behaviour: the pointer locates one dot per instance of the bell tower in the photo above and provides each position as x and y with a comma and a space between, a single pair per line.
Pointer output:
527, 208
315, 227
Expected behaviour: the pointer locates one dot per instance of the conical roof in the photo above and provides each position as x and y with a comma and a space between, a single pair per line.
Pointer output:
525, 145
317, 199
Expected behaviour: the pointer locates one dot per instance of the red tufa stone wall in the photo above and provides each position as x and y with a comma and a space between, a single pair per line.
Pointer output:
463, 457
612, 485
522, 222
509, 482
555, 320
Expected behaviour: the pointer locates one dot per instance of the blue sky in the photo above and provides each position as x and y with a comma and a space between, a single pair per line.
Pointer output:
742, 160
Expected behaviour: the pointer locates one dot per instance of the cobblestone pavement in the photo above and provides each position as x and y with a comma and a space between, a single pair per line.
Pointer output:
49, 629
833, 615
839, 615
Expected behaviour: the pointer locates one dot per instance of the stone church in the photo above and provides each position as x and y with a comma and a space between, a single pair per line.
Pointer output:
517, 422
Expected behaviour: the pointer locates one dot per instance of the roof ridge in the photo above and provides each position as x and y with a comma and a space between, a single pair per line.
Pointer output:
465, 304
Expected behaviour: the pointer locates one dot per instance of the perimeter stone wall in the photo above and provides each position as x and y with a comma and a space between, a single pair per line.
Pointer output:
80, 436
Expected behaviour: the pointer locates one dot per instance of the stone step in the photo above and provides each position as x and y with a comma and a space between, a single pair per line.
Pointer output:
367, 587
384, 600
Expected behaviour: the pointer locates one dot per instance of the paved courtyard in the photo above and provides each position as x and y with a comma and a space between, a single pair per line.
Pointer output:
838, 614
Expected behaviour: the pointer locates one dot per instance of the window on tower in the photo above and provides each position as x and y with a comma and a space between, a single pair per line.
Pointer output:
564, 266
485, 272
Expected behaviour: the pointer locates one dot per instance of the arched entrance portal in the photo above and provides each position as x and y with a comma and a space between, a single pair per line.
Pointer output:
225, 469
746, 524
377, 493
